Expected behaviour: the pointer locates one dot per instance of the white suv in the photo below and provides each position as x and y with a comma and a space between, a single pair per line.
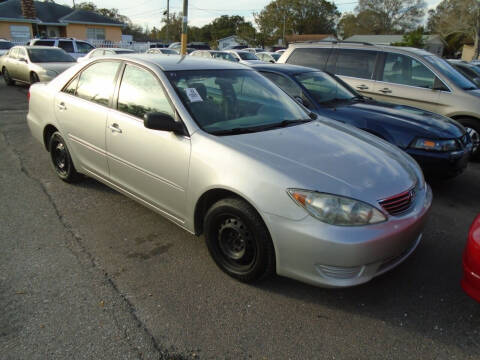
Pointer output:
74, 47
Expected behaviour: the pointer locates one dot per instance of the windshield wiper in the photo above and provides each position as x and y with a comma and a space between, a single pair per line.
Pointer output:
252, 129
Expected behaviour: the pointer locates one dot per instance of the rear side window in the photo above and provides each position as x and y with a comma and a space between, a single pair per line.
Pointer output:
313, 57
44, 43
83, 47
66, 45
356, 63
141, 93
404, 70
96, 83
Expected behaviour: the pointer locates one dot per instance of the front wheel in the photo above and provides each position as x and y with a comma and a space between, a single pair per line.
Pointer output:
8, 80
61, 160
238, 240
473, 129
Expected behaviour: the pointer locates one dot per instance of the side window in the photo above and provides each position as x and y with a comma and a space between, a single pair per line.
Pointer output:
13, 53
83, 47
21, 54
312, 57
72, 87
44, 43
66, 45
96, 82
356, 63
404, 70
141, 93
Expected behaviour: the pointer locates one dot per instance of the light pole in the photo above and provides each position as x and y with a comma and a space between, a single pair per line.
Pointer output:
184, 28
168, 19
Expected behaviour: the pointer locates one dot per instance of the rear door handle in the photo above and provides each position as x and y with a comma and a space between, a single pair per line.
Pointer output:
362, 87
386, 91
61, 106
115, 128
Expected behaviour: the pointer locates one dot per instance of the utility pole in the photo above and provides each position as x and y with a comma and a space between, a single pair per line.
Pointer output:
168, 19
283, 37
184, 28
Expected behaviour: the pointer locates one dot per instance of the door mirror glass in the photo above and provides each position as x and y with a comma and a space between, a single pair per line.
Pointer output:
164, 122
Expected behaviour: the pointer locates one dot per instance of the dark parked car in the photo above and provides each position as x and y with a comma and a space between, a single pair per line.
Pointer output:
440, 145
198, 45
471, 72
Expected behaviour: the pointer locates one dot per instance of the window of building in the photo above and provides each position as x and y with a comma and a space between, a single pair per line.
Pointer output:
96, 33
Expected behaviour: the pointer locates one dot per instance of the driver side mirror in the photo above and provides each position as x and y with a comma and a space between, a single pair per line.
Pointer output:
22, 59
439, 85
164, 122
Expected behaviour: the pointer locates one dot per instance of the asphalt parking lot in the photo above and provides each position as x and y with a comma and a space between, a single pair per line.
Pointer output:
87, 273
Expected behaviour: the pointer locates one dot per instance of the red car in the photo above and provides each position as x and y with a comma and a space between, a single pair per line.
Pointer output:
471, 262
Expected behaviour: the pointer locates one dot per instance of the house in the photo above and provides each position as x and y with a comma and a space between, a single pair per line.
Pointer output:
231, 40
433, 43
309, 37
21, 20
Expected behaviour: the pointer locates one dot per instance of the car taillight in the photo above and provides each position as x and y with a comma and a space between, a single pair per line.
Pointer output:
474, 233
28, 96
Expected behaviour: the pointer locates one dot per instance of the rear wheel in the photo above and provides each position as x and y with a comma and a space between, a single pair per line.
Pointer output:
238, 240
473, 129
34, 78
61, 160
6, 76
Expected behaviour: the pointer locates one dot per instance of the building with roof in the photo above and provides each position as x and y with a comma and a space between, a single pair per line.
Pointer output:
433, 43
21, 20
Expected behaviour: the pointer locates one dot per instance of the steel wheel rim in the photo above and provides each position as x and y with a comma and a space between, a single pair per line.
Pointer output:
475, 137
236, 243
60, 158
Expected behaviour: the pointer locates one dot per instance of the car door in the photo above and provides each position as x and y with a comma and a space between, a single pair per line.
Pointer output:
10, 62
81, 109
21, 66
151, 164
356, 67
405, 80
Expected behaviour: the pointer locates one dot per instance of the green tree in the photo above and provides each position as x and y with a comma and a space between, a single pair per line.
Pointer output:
295, 17
363, 23
413, 38
454, 18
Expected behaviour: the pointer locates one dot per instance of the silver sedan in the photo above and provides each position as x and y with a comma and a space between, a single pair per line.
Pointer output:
31, 64
220, 150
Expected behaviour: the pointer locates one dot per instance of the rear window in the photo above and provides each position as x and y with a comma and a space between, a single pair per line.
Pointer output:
311, 57
355, 63
5, 45
49, 55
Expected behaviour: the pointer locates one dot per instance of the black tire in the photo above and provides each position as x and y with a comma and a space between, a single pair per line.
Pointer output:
34, 78
238, 240
61, 160
473, 128
6, 76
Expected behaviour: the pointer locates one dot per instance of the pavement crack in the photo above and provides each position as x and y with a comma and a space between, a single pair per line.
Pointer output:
163, 353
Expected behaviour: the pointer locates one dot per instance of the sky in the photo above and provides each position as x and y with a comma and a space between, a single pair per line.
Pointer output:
200, 12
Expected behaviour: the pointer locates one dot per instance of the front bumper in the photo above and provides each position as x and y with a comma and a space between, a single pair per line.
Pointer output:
443, 165
338, 256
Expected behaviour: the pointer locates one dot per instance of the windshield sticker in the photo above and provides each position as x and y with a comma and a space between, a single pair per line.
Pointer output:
193, 95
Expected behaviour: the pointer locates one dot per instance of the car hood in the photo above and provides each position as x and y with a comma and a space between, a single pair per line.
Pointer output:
327, 156
58, 67
415, 122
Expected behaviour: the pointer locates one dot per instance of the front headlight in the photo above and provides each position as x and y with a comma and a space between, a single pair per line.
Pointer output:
336, 210
435, 145
51, 73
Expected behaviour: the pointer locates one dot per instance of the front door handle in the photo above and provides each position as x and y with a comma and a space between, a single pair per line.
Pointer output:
115, 128
61, 106
386, 91
362, 87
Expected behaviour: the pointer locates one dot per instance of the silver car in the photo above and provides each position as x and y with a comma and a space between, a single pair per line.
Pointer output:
104, 51
220, 150
28, 64
244, 57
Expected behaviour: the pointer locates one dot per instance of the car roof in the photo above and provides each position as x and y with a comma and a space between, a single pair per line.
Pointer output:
351, 45
178, 62
37, 47
283, 68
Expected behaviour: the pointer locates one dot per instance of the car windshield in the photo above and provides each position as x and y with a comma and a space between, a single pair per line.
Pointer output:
235, 101
451, 73
324, 88
5, 45
247, 56
223, 55
49, 55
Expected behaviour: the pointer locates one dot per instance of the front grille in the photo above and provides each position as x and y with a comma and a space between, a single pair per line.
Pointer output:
398, 204
339, 272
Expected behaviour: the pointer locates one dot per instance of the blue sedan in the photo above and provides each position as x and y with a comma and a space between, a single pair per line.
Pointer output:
440, 145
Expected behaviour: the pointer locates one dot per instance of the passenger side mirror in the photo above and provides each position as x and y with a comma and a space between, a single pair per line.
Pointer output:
164, 122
